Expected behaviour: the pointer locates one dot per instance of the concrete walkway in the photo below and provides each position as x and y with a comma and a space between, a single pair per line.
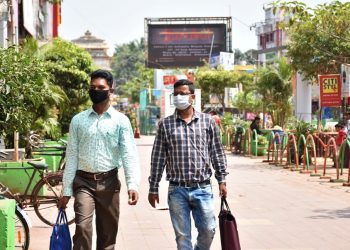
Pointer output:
275, 209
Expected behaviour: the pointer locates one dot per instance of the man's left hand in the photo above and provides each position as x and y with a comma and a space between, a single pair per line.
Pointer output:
222, 189
133, 197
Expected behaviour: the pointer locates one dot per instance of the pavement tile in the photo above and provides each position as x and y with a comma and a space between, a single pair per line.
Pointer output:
275, 208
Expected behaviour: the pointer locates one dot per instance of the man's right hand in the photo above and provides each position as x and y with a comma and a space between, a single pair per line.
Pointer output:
62, 203
152, 199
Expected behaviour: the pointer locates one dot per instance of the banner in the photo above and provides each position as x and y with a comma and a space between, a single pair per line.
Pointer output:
330, 90
345, 74
29, 17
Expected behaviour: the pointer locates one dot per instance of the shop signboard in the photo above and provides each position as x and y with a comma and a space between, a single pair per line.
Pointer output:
330, 90
169, 80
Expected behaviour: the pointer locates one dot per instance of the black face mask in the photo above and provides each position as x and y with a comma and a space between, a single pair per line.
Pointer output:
97, 95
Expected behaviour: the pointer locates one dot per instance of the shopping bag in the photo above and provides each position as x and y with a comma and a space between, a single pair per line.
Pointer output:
60, 237
228, 228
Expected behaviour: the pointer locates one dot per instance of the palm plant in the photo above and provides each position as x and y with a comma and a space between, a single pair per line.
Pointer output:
274, 85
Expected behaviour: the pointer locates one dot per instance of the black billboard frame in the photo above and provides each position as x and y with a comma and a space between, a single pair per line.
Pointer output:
186, 21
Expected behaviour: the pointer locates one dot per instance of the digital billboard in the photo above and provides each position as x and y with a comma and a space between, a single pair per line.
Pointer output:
184, 45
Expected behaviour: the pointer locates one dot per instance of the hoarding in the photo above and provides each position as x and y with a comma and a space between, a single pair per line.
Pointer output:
330, 90
184, 45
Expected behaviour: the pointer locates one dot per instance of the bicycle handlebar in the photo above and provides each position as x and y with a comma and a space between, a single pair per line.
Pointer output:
3, 189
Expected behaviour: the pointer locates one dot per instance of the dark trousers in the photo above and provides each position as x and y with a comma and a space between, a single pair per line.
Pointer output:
101, 197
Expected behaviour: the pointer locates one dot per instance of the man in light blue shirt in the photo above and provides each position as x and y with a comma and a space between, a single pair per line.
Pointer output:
100, 141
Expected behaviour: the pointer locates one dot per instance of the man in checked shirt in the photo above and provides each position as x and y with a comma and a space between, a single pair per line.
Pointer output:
188, 144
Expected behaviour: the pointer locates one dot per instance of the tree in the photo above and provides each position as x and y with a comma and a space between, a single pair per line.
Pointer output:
126, 59
239, 56
128, 67
23, 91
69, 67
214, 81
319, 37
250, 56
47, 115
248, 102
144, 79
274, 86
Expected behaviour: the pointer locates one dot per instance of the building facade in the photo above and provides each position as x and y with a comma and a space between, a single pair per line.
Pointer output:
272, 40
20, 19
96, 47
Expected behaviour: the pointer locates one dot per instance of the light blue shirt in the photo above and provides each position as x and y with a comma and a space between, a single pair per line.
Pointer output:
99, 144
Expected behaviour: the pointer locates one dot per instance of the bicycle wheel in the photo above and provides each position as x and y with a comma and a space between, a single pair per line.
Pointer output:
46, 195
22, 236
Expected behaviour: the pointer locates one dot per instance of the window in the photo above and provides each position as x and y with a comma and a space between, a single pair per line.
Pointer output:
261, 40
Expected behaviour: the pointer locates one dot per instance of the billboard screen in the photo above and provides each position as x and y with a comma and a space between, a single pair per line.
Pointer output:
184, 45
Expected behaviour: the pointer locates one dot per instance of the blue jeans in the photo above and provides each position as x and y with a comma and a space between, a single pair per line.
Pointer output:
200, 201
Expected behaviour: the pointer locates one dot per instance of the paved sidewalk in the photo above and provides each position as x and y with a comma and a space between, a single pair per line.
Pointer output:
275, 209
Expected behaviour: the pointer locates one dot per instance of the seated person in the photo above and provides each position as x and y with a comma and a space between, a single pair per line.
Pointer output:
341, 136
256, 125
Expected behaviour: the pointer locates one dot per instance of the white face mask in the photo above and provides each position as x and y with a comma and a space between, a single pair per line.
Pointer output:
181, 102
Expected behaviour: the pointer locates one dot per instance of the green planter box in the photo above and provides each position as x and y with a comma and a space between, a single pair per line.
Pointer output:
260, 151
51, 160
16, 177
7, 224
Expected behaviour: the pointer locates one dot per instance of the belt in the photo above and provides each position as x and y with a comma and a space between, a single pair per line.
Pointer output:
190, 184
97, 176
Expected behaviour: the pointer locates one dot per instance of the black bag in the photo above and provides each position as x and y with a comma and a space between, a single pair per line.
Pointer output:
60, 237
228, 228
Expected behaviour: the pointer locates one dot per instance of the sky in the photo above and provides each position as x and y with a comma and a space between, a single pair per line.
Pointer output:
119, 22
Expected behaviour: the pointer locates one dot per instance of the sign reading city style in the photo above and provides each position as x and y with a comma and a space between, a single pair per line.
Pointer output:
184, 45
330, 90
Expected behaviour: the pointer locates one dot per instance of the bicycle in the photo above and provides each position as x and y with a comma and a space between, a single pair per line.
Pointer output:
44, 196
22, 225
36, 146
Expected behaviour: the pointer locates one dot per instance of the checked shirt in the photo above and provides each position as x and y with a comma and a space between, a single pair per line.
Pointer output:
188, 151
